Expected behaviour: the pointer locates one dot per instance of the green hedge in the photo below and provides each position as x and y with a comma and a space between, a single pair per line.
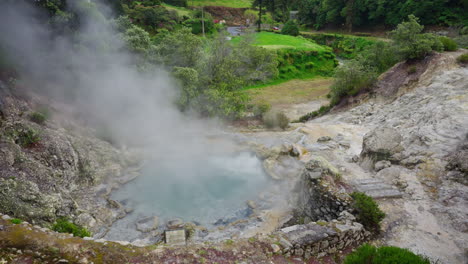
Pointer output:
343, 45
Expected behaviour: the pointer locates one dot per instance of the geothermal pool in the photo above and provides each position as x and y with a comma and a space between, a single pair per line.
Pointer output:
206, 190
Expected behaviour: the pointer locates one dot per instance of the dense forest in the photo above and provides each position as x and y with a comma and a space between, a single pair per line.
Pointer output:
365, 13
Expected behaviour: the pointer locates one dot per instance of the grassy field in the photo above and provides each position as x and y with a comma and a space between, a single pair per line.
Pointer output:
180, 10
226, 3
277, 41
292, 92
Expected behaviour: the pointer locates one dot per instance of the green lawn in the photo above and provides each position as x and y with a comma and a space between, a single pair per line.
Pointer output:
227, 3
277, 41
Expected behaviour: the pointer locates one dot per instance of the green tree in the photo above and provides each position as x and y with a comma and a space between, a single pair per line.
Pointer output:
411, 42
290, 28
188, 80
180, 48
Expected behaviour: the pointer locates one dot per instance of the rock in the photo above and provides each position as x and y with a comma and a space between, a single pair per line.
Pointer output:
85, 219
318, 162
324, 139
62, 261
382, 164
175, 223
147, 224
381, 143
275, 248
6, 217
251, 204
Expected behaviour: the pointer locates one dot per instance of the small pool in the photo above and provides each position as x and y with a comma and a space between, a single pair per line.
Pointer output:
201, 190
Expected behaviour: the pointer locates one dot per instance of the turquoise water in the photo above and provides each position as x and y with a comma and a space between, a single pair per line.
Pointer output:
201, 190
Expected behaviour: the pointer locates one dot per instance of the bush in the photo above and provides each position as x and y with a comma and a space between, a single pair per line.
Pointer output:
322, 110
367, 211
411, 42
182, 3
62, 225
351, 78
462, 41
449, 44
16, 221
463, 59
371, 255
40, 116
260, 109
275, 119
28, 137
290, 28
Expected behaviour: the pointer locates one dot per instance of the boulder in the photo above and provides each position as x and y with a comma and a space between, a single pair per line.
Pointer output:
381, 144
382, 164
175, 223
147, 224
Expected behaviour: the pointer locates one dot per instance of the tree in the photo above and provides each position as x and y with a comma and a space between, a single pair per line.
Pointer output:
290, 28
411, 42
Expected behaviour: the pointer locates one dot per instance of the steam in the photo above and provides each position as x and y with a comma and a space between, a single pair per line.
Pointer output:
136, 108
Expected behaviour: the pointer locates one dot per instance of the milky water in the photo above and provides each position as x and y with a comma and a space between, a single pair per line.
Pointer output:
202, 190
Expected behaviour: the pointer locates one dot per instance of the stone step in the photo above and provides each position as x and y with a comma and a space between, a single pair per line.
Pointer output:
367, 181
371, 187
376, 188
384, 193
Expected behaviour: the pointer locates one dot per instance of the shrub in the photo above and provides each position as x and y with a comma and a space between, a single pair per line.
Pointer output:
322, 110
449, 44
28, 137
463, 59
182, 3
282, 119
16, 221
462, 41
371, 255
351, 78
290, 28
275, 119
62, 225
260, 109
367, 211
411, 42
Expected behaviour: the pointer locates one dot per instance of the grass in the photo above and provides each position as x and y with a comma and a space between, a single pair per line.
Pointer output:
291, 92
226, 3
62, 225
277, 41
181, 11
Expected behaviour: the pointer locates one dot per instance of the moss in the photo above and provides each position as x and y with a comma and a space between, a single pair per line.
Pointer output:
16, 221
62, 225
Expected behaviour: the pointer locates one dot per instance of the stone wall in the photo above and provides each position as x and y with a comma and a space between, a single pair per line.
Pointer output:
318, 197
319, 239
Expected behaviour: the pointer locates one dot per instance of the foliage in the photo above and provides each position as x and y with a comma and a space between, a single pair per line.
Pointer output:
345, 46
290, 28
319, 13
62, 225
411, 42
383, 255
261, 108
180, 48
197, 25
463, 59
28, 137
351, 78
188, 78
37, 117
274, 119
16, 221
182, 3
40, 116
449, 44
367, 210
226, 3
322, 110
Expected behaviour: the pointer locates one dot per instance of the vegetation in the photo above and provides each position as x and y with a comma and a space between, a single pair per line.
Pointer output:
40, 116
226, 3
16, 221
276, 41
28, 137
372, 255
449, 44
274, 119
367, 211
290, 28
463, 59
411, 42
62, 225
354, 13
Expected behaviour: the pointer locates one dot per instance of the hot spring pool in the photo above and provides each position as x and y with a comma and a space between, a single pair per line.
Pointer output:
202, 190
